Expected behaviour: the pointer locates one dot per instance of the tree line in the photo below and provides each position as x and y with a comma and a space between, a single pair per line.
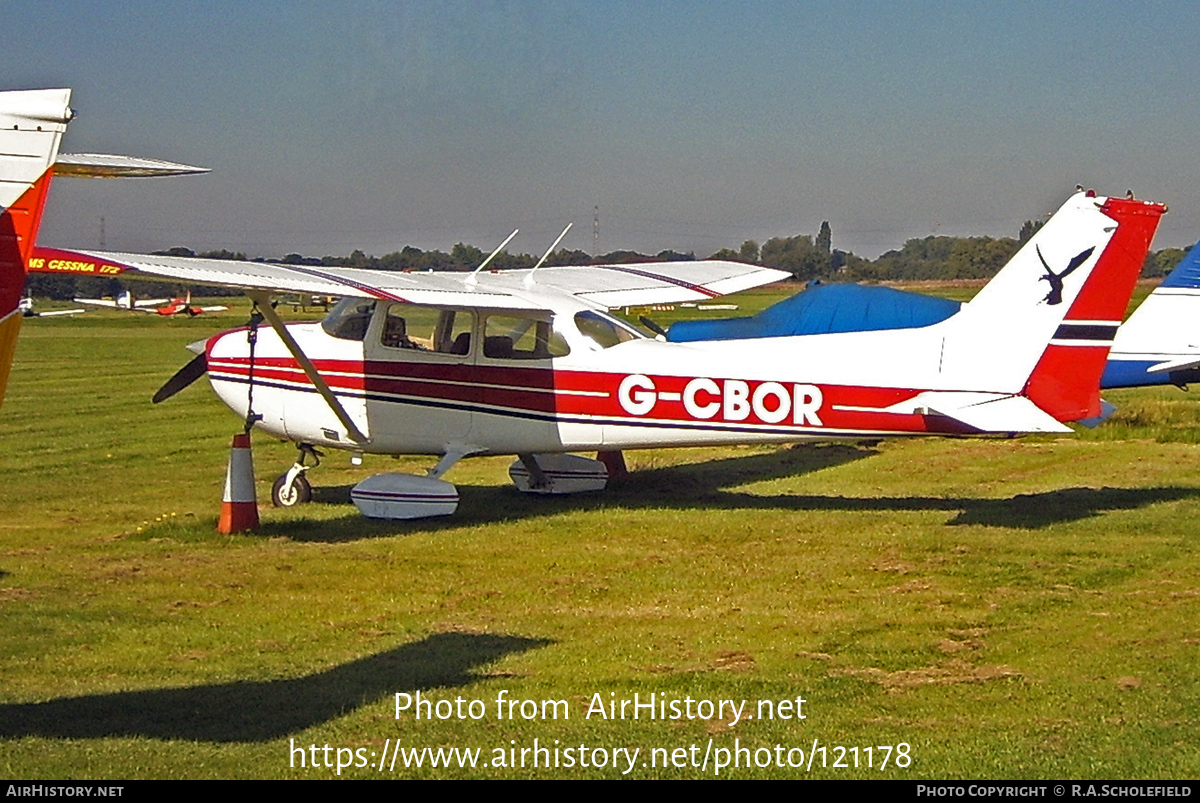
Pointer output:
805, 256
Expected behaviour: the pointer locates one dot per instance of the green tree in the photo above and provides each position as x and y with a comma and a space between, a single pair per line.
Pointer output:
798, 255
749, 252
1028, 229
1160, 263
567, 257
726, 253
465, 257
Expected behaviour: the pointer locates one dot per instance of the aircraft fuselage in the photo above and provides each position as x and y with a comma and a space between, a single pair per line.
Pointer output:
513, 389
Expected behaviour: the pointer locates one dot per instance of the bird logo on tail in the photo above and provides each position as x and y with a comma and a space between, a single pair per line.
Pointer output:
1056, 279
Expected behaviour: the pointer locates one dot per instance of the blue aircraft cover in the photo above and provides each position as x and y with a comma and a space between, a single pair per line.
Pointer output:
1187, 272
825, 309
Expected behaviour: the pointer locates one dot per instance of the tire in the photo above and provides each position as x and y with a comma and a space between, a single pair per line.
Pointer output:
301, 492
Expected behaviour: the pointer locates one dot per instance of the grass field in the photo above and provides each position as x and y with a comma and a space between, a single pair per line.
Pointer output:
1006, 609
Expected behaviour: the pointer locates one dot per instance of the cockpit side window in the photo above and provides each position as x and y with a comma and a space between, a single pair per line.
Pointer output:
349, 318
602, 330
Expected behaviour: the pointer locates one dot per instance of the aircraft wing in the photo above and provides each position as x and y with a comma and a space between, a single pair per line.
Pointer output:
98, 302
416, 288
602, 285
641, 284
143, 305
52, 313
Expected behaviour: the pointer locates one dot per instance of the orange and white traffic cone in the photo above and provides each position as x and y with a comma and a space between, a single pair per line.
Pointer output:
239, 506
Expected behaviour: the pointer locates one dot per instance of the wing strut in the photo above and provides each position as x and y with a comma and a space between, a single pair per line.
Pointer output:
263, 299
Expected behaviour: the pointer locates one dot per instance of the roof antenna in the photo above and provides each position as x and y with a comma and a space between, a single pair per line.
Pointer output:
545, 256
473, 278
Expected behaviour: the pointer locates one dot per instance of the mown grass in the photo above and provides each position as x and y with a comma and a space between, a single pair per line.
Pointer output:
1009, 608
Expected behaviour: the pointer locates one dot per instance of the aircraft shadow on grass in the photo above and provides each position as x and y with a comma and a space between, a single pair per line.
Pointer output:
695, 486
701, 486
256, 711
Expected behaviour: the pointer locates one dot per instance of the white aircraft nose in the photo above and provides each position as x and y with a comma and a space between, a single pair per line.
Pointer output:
197, 347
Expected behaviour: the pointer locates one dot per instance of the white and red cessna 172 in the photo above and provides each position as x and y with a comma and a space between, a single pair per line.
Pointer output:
531, 363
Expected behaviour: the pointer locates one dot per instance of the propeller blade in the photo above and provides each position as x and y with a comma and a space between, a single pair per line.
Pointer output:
652, 326
183, 377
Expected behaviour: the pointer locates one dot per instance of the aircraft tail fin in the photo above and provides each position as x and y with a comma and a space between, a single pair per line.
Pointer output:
31, 127
1066, 380
1160, 343
1042, 328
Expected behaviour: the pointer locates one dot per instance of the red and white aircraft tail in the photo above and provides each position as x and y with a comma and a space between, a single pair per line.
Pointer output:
1065, 382
31, 128
1042, 328
1025, 355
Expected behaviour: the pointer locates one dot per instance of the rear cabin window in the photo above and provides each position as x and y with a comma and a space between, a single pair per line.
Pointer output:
510, 337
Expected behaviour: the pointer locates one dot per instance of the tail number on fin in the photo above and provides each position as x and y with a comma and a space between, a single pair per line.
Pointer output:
734, 400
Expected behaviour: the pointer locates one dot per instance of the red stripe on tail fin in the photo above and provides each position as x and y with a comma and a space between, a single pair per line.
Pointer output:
1066, 381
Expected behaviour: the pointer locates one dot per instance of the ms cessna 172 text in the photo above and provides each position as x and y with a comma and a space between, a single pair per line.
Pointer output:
531, 363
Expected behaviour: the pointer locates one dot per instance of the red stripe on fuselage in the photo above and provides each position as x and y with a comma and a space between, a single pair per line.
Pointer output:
588, 395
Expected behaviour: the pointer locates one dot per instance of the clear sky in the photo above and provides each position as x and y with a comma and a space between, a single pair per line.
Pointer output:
691, 125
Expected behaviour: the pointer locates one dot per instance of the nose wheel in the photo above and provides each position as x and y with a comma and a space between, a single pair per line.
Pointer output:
290, 494
293, 487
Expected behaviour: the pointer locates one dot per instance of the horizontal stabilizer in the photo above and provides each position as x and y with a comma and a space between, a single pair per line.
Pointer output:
986, 412
108, 165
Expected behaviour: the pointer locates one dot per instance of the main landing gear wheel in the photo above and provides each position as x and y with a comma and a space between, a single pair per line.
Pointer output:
284, 494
